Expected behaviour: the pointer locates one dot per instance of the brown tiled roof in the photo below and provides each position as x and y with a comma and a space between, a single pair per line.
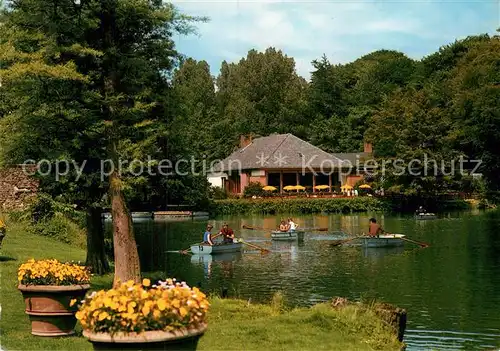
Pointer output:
279, 151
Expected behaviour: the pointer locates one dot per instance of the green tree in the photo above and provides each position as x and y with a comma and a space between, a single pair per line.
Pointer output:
260, 95
194, 90
409, 126
475, 82
87, 80
343, 97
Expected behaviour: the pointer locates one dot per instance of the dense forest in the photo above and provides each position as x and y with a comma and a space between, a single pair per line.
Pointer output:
443, 107
170, 106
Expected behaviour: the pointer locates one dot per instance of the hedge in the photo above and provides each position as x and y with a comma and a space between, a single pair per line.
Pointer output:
297, 205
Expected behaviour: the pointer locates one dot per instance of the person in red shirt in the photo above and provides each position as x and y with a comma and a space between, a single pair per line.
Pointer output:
227, 233
375, 229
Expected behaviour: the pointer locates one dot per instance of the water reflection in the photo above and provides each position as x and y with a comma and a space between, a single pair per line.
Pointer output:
224, 260
449, 289
377, 253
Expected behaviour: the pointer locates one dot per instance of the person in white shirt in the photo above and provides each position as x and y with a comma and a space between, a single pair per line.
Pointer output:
291, 225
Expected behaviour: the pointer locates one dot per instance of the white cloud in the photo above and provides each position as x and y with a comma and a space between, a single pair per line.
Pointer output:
307, 29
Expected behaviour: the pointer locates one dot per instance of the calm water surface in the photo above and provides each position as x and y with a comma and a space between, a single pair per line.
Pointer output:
451, 289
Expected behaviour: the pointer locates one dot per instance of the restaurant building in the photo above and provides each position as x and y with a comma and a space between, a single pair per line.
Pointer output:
281, 160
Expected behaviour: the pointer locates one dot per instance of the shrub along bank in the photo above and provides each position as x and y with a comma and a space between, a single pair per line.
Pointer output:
233, 324
298, 205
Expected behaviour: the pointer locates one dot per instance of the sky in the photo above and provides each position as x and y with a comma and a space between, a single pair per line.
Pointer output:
342, 30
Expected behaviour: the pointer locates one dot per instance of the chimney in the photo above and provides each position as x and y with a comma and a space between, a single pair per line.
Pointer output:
245, 141
368, 148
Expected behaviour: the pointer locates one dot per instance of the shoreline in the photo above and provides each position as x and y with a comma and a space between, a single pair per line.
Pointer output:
329, 205
272, 325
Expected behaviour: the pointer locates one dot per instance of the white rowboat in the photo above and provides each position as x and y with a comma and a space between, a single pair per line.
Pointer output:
284, 236
424, 216
205, 249
385, 240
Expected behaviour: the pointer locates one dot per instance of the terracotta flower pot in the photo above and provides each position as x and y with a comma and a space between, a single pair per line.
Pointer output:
185, 339
48, 307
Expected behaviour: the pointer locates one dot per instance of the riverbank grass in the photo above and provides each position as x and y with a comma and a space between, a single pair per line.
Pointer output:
233, 324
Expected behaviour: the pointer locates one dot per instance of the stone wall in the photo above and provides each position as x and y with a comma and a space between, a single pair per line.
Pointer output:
16, 187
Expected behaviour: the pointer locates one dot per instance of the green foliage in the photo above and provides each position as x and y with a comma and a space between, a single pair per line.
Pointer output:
217, 193
253, 189
53, 219
61, 229
449, 110
77, 90
343, 97
44, 207
278, 303
304, 205
319, 327
194, 91
259, 95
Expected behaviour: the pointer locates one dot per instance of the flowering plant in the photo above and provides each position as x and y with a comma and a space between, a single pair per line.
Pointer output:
133, 307
52, 272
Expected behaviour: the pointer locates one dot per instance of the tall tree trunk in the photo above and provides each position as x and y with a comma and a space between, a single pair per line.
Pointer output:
96, 254
127, 265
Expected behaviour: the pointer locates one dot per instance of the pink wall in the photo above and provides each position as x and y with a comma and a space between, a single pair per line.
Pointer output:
244, 180
351, 180
262, 180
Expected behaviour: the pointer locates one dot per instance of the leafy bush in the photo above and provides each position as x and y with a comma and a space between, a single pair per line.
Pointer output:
298, 205
60, 228
217, 193
253, 189
44, 208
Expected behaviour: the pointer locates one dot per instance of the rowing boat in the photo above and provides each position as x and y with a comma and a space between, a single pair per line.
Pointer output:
205, 249
294, 235
385, 240
424, 216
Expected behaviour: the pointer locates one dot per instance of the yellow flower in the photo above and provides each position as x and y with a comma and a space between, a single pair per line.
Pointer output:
72, 302
103, 316
146, 310
143, 308
183, 312
146, 282
52, 272
162, 304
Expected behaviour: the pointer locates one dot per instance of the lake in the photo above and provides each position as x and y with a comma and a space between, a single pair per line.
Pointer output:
451, 290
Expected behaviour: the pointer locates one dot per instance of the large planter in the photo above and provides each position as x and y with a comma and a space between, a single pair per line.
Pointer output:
48, 307
185, 339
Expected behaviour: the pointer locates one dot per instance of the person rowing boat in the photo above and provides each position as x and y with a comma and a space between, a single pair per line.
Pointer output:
421, 210
374, 229
207, 236
227, 233
283, 226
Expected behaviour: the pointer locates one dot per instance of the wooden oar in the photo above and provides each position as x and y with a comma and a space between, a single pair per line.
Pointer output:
249, 227
263, 250
422, 244
340, 242
186, 251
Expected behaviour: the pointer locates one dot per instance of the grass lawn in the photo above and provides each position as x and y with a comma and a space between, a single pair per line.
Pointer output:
233, 324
